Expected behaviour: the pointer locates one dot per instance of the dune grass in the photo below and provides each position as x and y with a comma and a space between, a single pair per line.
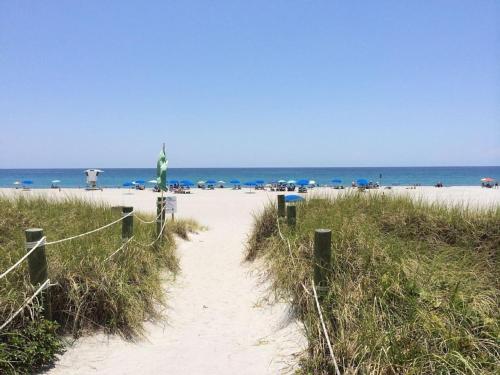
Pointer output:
414, 288
117, 295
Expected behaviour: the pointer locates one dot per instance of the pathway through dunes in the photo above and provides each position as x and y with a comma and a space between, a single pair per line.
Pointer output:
217, 323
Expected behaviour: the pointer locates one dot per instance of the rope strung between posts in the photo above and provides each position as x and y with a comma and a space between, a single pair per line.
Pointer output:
45, 285
119, 249
156, 239
318, 307
152, 221
286, 241
41, 241
325, 332
90, 232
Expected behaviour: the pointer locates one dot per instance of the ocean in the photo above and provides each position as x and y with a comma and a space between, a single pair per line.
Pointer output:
115, 177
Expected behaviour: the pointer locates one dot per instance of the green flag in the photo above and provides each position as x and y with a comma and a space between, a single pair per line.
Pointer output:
161, 171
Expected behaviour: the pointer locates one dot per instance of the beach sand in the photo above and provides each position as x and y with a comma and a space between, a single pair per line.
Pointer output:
218, 321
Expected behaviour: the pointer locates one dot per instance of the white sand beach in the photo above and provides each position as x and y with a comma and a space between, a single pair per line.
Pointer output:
217, 320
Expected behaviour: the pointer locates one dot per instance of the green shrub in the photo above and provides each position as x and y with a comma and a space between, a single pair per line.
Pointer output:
30, 347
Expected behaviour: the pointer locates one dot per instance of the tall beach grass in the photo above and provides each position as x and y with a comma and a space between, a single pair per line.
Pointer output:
413, 287
116, 295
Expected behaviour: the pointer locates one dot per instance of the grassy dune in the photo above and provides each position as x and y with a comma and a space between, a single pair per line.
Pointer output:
414, 288
116, 295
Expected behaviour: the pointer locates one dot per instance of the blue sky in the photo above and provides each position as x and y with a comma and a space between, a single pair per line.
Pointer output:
249, 83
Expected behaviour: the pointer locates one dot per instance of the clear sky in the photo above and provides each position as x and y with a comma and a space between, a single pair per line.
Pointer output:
249, 83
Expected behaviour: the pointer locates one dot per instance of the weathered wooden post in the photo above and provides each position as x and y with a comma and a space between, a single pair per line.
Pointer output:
291, 215
37, 264
160, 214
322, 259
128, 222
281, 205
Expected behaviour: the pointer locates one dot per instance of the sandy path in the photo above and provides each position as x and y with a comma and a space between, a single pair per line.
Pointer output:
216, 324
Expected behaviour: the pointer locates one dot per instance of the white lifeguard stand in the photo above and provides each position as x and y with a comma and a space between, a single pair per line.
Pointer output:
92, 175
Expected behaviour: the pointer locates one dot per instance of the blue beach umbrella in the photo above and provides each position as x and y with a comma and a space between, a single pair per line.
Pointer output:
128, 184
187, 183
362, 182
211, 182
140, 182
173, 182
259, 182
27, 182
236, 182
303, 182
293, 198
337, 181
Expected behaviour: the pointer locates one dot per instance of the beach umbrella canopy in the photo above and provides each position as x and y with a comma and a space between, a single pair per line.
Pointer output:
293, 198
303, 182
152, 181
362, 182
211, 182
128, 183
187, 183
17, 183
235, 182
27, 182
292, 181
201, 182
337, 181
221, 182
140, 181
312, 182
281, 181
173, 182
55, 181
487, 179
161, 170
259, 182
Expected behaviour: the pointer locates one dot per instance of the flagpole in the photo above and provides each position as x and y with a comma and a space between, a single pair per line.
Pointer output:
162, 215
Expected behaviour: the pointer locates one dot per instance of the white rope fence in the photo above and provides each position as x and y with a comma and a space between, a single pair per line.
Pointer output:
41, 241
156, 239
119, 249
45, 285
152, 221
285, 241
318, 306
325, 332
90, 232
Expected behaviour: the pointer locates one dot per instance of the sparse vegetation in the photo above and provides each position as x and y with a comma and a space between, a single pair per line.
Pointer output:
115, 295
414, 287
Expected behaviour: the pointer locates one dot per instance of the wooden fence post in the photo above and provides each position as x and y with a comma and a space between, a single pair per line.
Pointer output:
37, 264
128, 222
322, 259
291, 215
281, 205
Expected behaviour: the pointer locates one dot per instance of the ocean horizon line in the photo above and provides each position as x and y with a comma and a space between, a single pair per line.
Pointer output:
273, 167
